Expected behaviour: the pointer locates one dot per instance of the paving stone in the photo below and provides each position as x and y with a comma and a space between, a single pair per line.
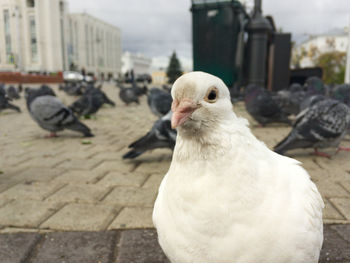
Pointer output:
122, 179
153, 167
30, 191
71, 247
131, 196
79, 193
16, 248
343, 231
82, 217
39, 174
81, 164
77, 177
329, 212
154, 181
108, 166
346, 185
133, 217
41, 161
331, 189
335, 249
140, 246
26, 213
343, 204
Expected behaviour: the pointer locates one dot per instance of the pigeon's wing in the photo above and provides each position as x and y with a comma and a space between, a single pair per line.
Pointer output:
49, 111
160, 136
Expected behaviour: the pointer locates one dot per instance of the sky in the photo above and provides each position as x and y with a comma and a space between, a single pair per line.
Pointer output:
156, 28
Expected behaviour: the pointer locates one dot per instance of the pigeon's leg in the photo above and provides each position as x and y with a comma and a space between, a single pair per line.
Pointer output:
343, 149
322, 154
51, 135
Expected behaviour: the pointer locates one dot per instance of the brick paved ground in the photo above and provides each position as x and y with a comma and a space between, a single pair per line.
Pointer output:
75, 184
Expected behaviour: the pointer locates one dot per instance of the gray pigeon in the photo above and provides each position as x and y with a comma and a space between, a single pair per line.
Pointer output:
128, 95
159, 101
261, 106
160, 136
13, 93
322, 125
341, 93
51, 114
5, 100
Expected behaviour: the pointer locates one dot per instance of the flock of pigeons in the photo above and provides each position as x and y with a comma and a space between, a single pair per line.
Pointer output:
321, 114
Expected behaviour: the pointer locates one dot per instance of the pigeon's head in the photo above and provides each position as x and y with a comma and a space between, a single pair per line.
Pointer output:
199, 101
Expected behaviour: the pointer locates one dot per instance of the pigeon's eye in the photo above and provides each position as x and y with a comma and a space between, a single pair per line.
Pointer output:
212, 95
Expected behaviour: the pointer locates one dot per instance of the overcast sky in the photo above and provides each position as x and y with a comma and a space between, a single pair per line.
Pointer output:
157, 27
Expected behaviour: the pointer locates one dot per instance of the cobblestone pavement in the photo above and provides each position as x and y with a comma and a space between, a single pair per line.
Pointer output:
125, 246
72, 183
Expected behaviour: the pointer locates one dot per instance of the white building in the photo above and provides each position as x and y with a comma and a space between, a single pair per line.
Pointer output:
94, 45
137, 62
31, 35
41, 36
308, 50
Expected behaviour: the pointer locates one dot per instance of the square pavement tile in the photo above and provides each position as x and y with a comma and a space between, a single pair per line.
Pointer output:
30, 191
331, 189
16, 248
26, 213
154, 181
343, 204
82, 217
122, 179
131, 196
139, 246
71, 247
133, 217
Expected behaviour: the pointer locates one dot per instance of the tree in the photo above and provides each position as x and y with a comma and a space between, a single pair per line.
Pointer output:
174, 68
333, 65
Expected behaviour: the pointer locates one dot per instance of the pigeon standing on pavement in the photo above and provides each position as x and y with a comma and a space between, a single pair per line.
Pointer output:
226, 196
91, 101
160, 136
342, 93
314, 86
51, 114
261, 106
13, 93
322, 125
5, 100
128, 95
159, 101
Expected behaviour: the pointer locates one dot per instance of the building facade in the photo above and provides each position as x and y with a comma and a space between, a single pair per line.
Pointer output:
32, 35
136, 62
306, 52
94, 46
41, 36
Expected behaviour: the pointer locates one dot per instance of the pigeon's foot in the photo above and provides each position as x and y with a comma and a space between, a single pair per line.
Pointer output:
322, 154
343, 149
52, 135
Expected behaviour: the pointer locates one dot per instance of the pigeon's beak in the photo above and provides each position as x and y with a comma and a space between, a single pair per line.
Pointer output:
182, 111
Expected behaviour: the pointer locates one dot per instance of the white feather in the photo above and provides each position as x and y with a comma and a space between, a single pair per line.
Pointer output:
228, 198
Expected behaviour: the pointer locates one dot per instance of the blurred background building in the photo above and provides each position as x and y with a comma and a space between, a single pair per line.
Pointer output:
41, 36
94, 46
139, 63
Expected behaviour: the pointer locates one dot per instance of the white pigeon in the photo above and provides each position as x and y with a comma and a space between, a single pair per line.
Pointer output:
227, 197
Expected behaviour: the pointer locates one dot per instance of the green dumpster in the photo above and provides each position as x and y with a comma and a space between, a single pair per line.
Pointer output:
215, 32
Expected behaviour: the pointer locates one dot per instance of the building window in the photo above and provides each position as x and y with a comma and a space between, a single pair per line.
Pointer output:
33, 39
92, 47
8, 48
30, 3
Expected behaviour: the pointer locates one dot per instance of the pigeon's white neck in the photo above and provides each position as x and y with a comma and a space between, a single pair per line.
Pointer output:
211, 141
